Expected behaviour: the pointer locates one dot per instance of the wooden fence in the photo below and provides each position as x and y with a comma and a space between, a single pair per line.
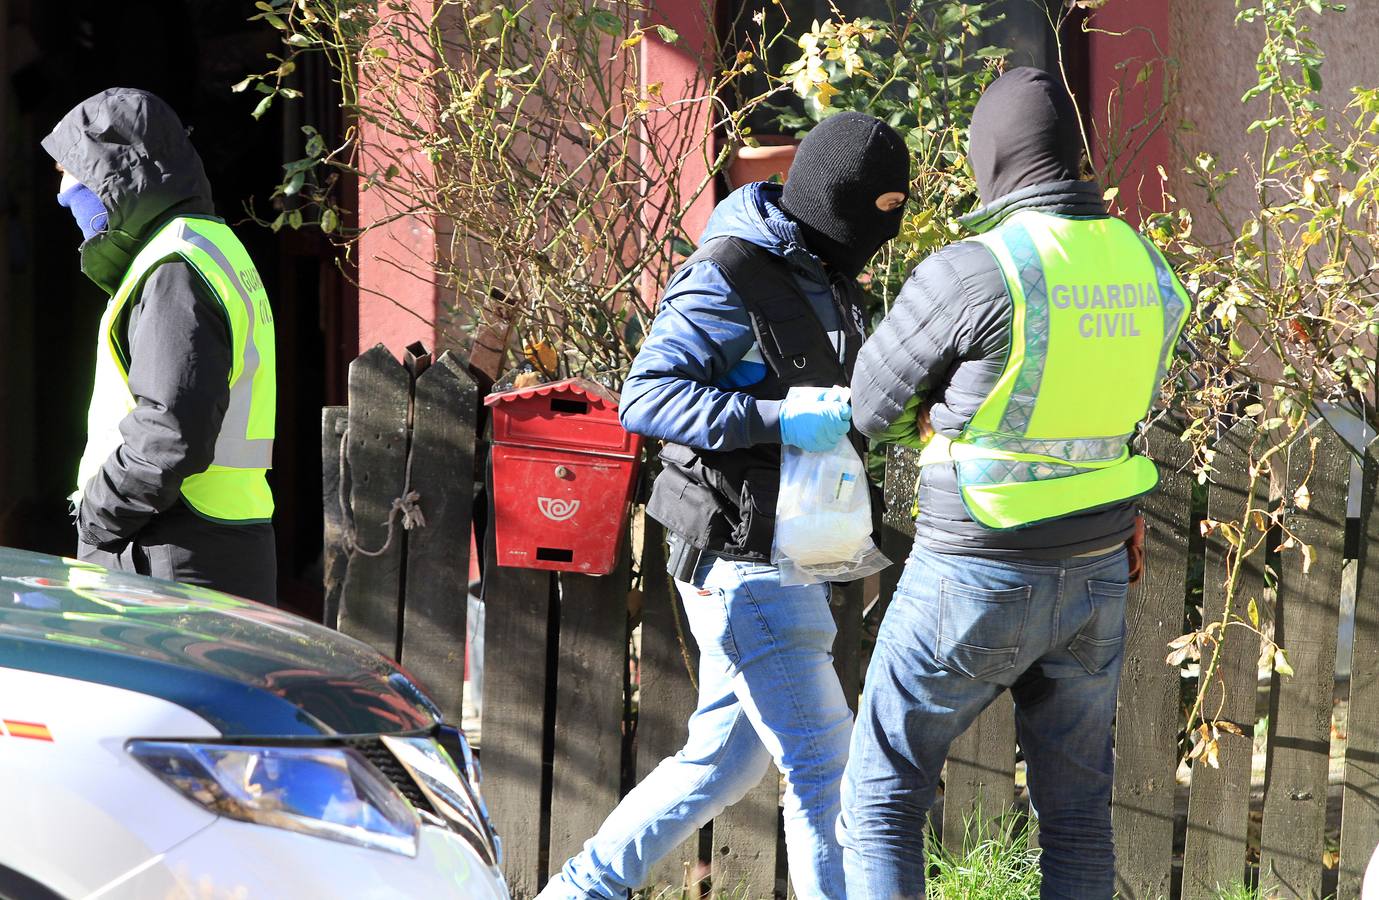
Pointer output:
569, 727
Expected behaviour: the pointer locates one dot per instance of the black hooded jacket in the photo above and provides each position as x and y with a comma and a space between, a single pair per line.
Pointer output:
945, 342
130, 148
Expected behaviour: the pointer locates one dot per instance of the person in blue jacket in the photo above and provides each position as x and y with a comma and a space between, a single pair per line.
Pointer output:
769, 302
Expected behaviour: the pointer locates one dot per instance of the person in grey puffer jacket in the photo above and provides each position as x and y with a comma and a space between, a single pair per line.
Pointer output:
1021, 361
129, 169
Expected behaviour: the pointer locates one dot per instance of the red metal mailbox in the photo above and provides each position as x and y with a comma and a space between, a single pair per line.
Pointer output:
563, 473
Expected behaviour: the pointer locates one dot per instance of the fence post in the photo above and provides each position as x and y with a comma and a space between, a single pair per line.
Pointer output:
980, 773
1148, 705
436, 602
516, 639
1360, 788
376, 454
744, 842
591, 670
1219, 802
334, 556
846, 602
667, 690
1305, 625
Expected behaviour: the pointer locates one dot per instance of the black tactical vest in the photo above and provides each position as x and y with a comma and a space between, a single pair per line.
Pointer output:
725, 501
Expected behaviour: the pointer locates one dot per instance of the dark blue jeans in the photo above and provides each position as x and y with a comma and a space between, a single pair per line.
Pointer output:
961, 630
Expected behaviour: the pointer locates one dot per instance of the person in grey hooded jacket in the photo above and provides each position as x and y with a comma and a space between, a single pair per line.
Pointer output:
128, 168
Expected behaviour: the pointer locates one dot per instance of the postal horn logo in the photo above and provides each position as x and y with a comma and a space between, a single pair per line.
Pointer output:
556, 509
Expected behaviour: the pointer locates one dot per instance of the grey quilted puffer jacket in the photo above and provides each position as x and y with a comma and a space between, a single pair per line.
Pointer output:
944, 345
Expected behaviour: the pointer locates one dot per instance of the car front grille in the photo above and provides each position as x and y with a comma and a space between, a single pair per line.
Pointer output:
384, 761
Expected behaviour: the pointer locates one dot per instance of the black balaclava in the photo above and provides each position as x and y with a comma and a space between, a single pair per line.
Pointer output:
1024, 132
842, 166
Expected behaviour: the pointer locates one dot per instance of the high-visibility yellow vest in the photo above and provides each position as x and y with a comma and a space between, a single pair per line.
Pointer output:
235, 487
1096, 315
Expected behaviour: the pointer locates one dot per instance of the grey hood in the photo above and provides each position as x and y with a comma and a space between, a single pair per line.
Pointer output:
1024, 133
129, 147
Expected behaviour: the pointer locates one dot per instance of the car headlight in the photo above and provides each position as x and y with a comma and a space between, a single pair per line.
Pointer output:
329, 792
453, 796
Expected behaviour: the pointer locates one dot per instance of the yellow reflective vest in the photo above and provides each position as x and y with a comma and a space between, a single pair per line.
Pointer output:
234, 488
1096, 314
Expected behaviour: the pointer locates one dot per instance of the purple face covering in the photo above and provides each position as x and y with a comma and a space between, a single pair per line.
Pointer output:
85, 207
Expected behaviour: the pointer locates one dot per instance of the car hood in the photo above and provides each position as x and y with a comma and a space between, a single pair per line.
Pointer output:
248, 669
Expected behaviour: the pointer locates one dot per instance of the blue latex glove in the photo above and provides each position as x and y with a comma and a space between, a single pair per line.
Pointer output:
815, 419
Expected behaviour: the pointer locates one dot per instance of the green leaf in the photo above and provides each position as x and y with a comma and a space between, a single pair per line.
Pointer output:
1313, 74
262, 107
298, 165
240, 87
294, 184
329, 220
1281, 665
668, 34
1254, 612
391, 173
607, 22
294, 218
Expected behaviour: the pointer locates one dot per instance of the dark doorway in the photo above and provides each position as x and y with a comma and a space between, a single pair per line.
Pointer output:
188, 52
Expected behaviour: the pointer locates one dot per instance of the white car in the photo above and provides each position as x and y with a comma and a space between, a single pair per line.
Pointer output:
160, 741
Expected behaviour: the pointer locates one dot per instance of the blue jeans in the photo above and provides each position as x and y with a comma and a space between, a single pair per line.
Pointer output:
960, 631
767, 692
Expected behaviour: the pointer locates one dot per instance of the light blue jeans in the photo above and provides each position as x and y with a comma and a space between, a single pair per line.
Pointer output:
960, 631
767, 691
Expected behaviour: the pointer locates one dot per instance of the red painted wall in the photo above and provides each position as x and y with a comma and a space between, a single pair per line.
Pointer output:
398, 297
399, 300
682, 68
398, 294
1140, 35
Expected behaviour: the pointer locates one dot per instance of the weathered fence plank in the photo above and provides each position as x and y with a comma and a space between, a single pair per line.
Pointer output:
1218, 806
587, 773
1147, 707
902, 477
667, 695
1360, 789
980, 772
434, 609
334, 556
516, 632
896, 544
376, 453
1305, 625
846, 602
744, 843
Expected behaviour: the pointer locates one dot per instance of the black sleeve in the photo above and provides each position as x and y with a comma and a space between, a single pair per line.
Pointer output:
931, 325
179, 373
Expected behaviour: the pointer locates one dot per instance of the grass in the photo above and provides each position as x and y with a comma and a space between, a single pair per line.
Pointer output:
996, 862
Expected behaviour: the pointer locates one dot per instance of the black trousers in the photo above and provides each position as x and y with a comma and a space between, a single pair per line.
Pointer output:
179, 545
